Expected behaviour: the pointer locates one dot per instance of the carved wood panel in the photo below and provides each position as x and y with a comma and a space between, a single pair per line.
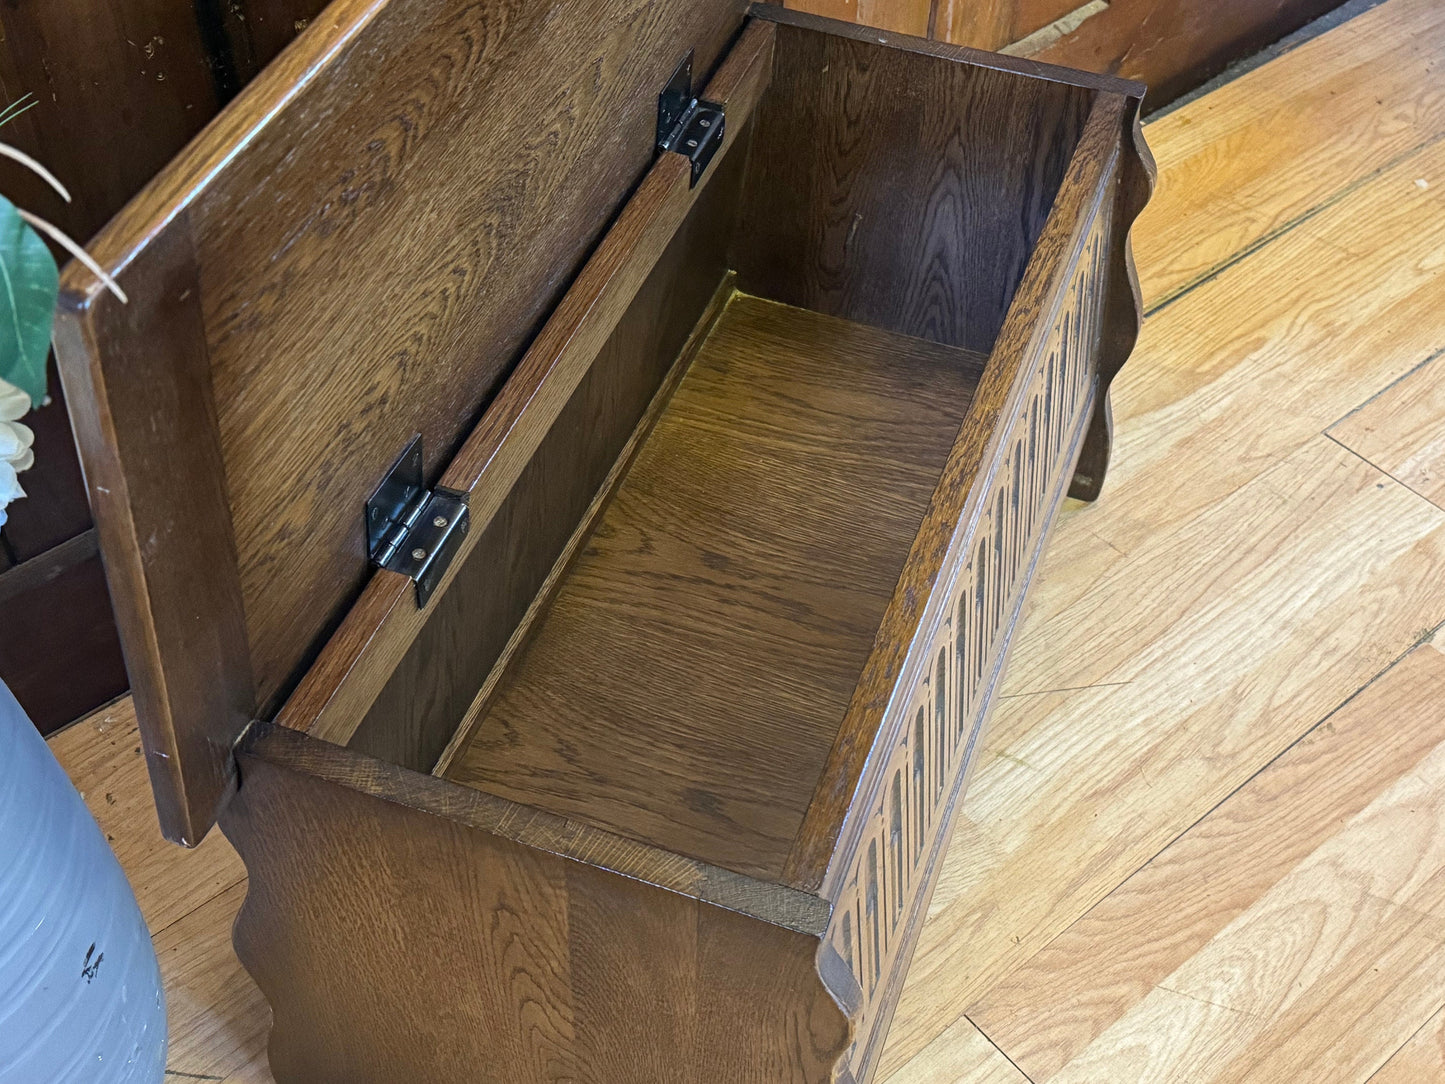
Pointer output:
886, 891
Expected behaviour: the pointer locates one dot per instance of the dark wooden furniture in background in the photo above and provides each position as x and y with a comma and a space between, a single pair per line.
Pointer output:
759, 458
120, 86
1172, 45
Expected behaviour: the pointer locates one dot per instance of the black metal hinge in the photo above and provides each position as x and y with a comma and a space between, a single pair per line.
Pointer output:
687, 124
411, 529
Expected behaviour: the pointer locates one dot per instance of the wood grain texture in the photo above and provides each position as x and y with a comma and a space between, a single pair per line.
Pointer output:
1217, 370
961, 1055
1399, 430
217, 1017
59, 653
1277, 145
426, 698
905, 16
1174, 45
546, 963
611, 310
832, 827
1332, 962
332, 318
1371, 306
895, 188
1062, 814
102, 755
166, 529
1422, 1058
119, 87
1050, 1010
720, 614
996, 24
891, 870
1377, 325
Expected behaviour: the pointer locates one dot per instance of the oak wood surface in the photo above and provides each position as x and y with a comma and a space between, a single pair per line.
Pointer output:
1066, 997
612, 308
1276, 146
1053, 836
1422, 1058
424, 700
833, 814
166, 530
1331, 957
872, 163
365, 268
1399, 430
1225, 386
1374, 284
554, 969
692, 671
1173, 45
969, 941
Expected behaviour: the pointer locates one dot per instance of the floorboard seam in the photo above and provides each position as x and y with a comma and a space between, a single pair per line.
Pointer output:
1288, 227
1425, 636
1068, 689
1381, 1067
1002, 1052
1435, 355
208, 900
1375, 466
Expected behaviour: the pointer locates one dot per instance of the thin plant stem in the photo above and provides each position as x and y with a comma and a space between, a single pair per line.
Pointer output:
59, 237
20, 105
35, 167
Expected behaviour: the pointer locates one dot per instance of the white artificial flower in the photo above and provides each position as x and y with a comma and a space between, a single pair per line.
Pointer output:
14, 403
15, 444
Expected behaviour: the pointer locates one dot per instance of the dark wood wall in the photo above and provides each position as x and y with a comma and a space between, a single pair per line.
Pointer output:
1173, 45
120, 86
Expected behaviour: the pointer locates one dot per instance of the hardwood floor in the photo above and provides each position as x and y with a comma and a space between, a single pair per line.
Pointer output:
1205, 841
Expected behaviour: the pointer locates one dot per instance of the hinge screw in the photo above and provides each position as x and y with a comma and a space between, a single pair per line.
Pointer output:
418, 554
440, 521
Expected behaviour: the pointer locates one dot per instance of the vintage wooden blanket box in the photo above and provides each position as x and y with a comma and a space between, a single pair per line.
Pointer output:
612, 730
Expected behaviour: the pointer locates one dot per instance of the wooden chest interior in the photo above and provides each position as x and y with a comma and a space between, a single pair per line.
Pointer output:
750, 510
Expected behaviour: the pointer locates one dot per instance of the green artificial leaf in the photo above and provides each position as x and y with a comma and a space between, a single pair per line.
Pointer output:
29, 284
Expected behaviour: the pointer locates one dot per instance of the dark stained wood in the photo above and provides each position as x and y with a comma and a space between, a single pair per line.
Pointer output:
427, 696
895, 186
369, 268
922, 757
58, 649
824, 850
55, 562
1174, 45
743, 573
694, 667
455, 954
360, 659
1123, 305
159, 509
119, 87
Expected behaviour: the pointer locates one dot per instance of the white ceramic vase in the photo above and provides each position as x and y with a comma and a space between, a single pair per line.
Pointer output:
80, 990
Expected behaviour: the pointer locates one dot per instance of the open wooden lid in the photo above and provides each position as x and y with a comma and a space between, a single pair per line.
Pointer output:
354, 252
